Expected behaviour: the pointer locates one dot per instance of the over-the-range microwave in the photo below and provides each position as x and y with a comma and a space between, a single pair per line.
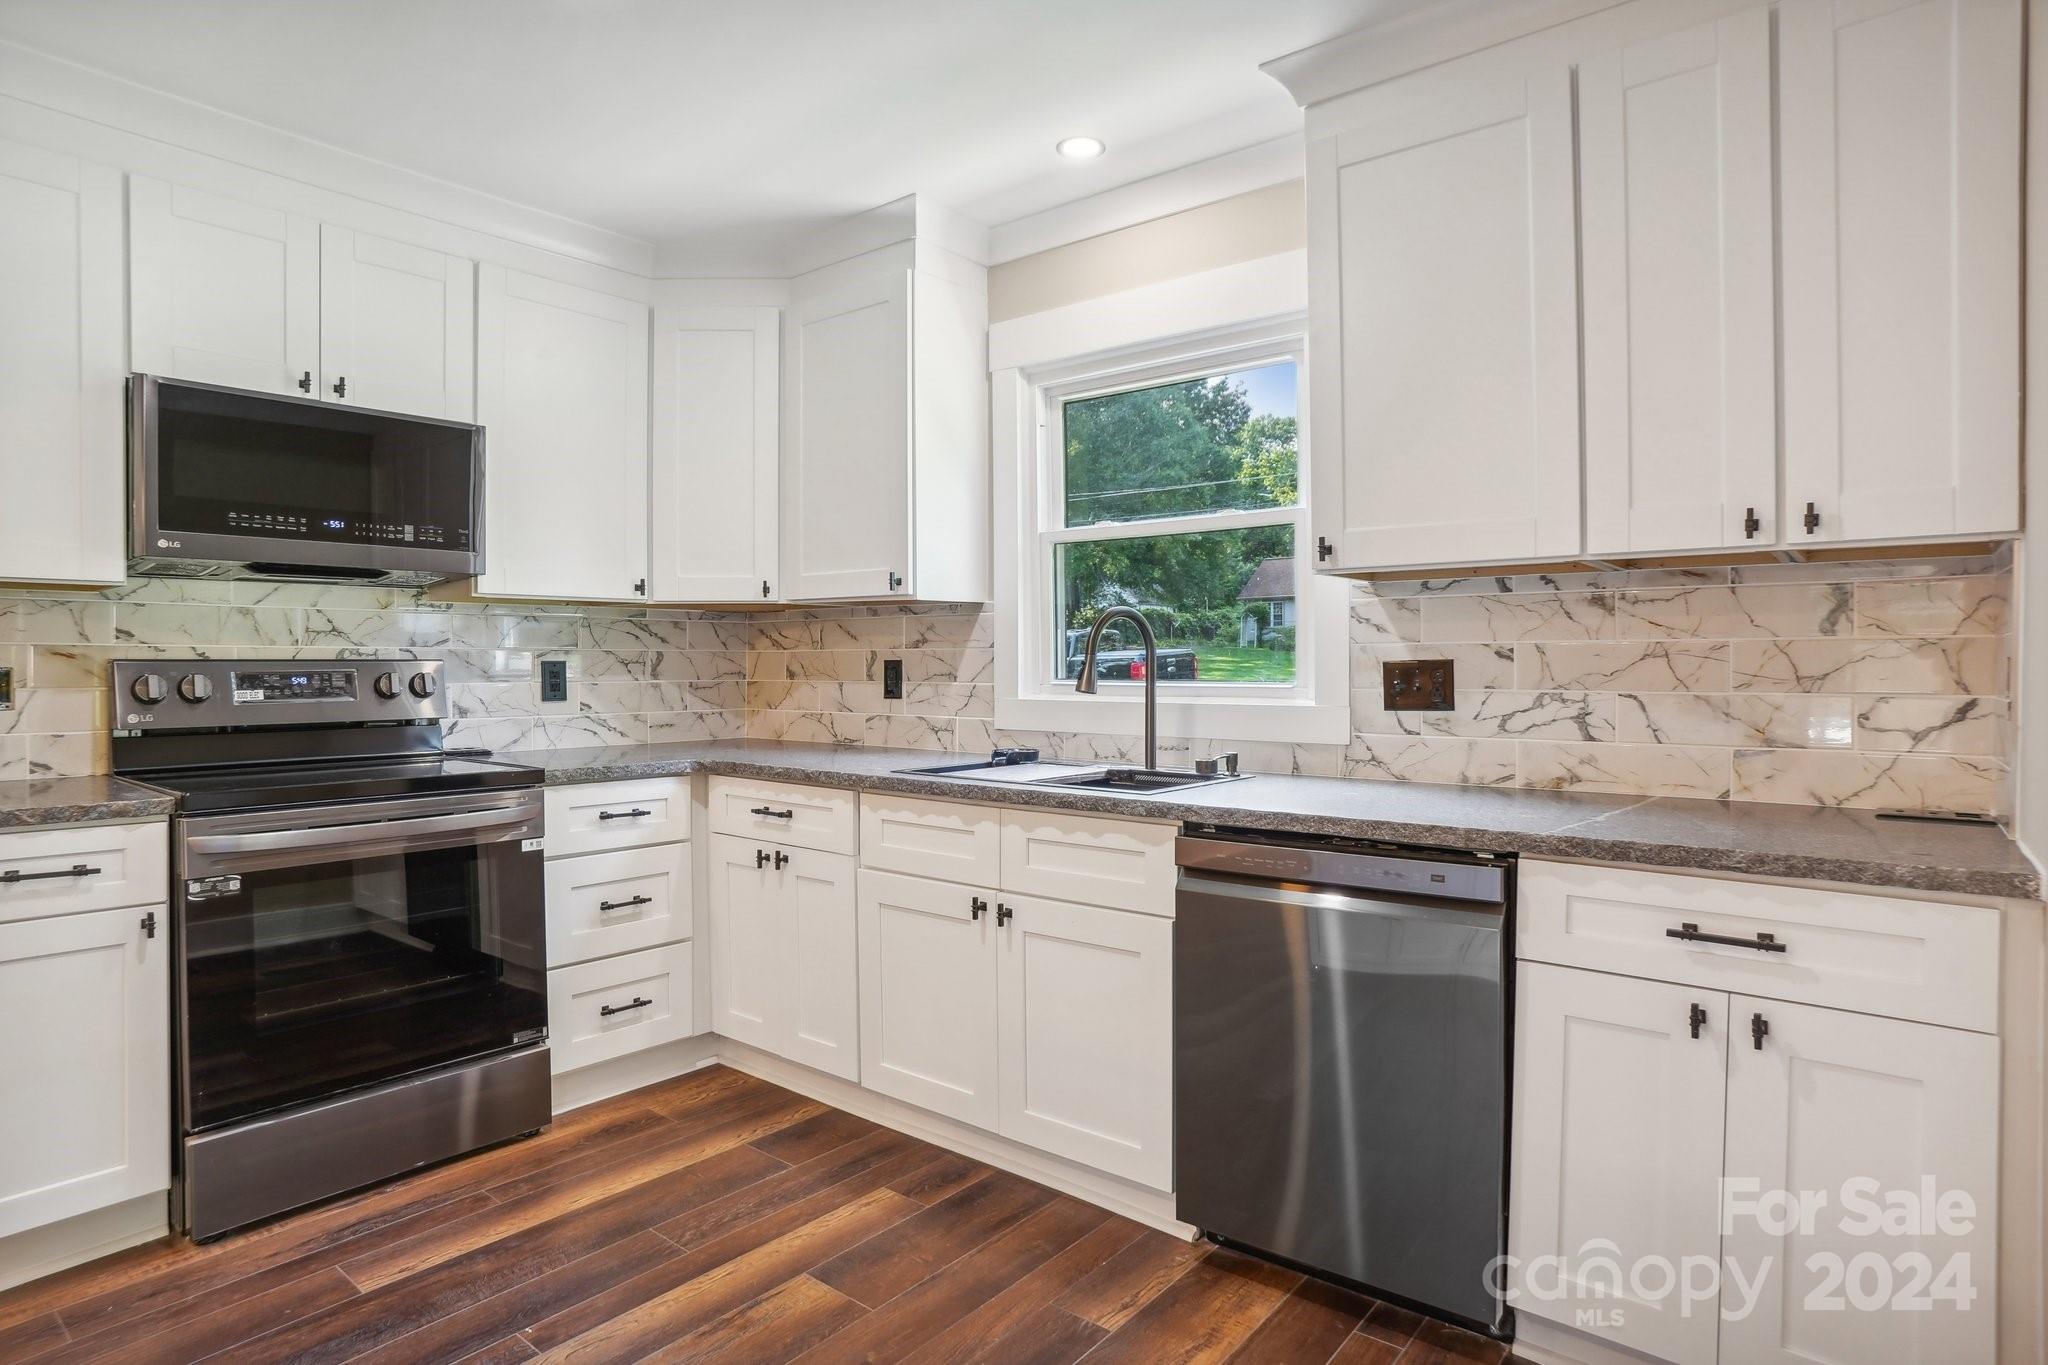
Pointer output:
225, 483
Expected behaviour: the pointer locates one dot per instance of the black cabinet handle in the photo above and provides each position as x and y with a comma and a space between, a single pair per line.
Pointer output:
1003, 913
976, 908
149, 925
15, 874
1697, 1018
1758, 1027
1324, 549
341, 387
1751, 523
634, 814
1763, 943
640, 1002
773, 814
760, 858
625, 905
782, 860
766, 591
306, 382
1811, 521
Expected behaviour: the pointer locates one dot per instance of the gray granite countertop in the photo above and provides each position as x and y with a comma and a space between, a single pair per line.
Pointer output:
1819, 843
34, 801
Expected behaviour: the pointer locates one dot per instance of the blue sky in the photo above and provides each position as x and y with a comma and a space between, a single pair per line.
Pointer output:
1270, 388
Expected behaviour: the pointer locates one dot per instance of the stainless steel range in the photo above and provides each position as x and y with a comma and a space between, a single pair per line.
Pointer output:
358, 937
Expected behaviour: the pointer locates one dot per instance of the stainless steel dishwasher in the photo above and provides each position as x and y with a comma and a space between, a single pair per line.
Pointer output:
1340, 1059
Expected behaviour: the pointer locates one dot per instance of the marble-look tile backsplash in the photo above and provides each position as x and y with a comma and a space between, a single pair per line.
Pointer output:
1873, 684
1868, 683
634, 674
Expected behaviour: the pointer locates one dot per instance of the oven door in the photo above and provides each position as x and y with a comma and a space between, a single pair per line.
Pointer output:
328, 949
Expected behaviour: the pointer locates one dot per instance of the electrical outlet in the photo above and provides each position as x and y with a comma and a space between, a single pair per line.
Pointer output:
1417, 685
554, 680
892, 679
6, 689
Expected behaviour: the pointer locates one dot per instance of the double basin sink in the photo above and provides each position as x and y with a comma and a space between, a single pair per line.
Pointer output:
1127, 781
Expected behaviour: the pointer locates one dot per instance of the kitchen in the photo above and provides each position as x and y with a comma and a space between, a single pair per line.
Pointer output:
1364, 706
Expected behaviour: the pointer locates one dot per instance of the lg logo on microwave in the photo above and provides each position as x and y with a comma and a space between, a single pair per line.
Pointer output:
163, 544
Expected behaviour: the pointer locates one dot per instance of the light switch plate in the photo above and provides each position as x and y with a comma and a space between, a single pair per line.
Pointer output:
1417, 685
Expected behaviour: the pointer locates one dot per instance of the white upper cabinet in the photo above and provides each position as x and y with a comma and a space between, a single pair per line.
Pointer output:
220, 291
397, 326
715, 454
1900, 165
62, 444
1443, 279
1680, 337
848, 511
885, 443
562, 393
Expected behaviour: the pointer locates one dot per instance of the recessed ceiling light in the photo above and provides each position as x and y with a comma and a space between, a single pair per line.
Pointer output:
1080, 148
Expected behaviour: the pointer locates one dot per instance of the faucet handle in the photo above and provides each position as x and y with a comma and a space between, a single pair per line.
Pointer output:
1221, 764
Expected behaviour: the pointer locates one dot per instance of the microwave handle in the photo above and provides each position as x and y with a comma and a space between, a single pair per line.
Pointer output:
380, 832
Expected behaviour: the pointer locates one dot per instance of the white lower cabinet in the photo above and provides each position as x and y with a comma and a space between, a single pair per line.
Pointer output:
620, 922
1617, 1140
85, 1103
927, 998
783, 954
1084, 1023
1831, 1098
616, 1005
1792, 1148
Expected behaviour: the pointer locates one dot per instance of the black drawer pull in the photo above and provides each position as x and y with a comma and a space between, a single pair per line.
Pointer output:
774, 814
15, 874
634, 814
1763, 943
640, 1002
625, 905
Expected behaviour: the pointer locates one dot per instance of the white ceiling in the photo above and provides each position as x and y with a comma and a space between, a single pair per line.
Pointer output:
726, 127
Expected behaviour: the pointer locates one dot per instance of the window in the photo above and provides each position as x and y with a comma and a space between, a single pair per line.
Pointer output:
1215, 458
1169, 480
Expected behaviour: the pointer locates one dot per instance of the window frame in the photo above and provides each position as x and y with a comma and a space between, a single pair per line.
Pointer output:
1314, 708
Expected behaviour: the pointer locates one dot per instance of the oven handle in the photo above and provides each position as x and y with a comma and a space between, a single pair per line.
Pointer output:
370, 832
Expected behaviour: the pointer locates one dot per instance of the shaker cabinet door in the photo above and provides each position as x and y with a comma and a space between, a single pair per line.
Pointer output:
397, 326
562, 393
1617, 1148
85, 1084
927, 995
63, 446
1899, 155
1444, 332
1680, 324
222, 292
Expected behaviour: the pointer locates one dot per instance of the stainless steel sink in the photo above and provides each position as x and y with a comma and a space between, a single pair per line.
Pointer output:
1134, 780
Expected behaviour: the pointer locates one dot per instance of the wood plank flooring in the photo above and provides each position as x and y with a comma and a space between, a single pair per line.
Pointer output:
713, 1217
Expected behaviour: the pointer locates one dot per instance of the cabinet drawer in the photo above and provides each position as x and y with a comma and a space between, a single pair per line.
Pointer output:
1874, 954
801, 817
1124, 863
946, 839
123, 865
609, 815
606, 903
580, 1031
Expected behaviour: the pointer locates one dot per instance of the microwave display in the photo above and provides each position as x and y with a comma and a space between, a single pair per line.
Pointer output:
245, 465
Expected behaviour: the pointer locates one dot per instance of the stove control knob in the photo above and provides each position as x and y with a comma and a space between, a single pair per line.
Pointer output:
424, 685
387, 685
195, 687
150, 688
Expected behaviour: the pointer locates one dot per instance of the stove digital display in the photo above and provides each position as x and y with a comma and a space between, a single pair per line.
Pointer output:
333, 684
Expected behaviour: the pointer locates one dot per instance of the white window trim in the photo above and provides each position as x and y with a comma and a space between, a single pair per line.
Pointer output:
1236, 315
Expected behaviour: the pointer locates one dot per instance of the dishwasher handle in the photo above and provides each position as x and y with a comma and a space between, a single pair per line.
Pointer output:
1255, 894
